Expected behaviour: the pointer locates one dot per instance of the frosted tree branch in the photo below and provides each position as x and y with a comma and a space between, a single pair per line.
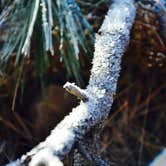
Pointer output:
111, 41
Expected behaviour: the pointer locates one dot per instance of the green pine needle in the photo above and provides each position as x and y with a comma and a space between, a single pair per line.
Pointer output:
25, 19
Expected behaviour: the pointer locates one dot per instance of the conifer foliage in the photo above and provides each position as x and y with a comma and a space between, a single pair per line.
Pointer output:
34, 28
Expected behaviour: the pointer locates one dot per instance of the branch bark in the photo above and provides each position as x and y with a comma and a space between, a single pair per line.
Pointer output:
110, 45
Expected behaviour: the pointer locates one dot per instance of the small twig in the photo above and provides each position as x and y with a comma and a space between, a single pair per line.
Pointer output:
17, 86
76, 91
23, 125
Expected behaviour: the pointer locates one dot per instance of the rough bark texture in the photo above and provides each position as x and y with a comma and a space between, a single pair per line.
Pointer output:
110, 45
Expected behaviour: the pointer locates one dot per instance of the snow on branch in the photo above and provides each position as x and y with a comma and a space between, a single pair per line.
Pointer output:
76, 91
110, 45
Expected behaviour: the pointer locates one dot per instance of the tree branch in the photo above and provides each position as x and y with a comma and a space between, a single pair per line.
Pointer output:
110, 45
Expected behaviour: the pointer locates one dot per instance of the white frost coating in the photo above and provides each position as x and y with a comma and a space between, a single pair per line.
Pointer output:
75, 90
115, 20
45, 159
109, 47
